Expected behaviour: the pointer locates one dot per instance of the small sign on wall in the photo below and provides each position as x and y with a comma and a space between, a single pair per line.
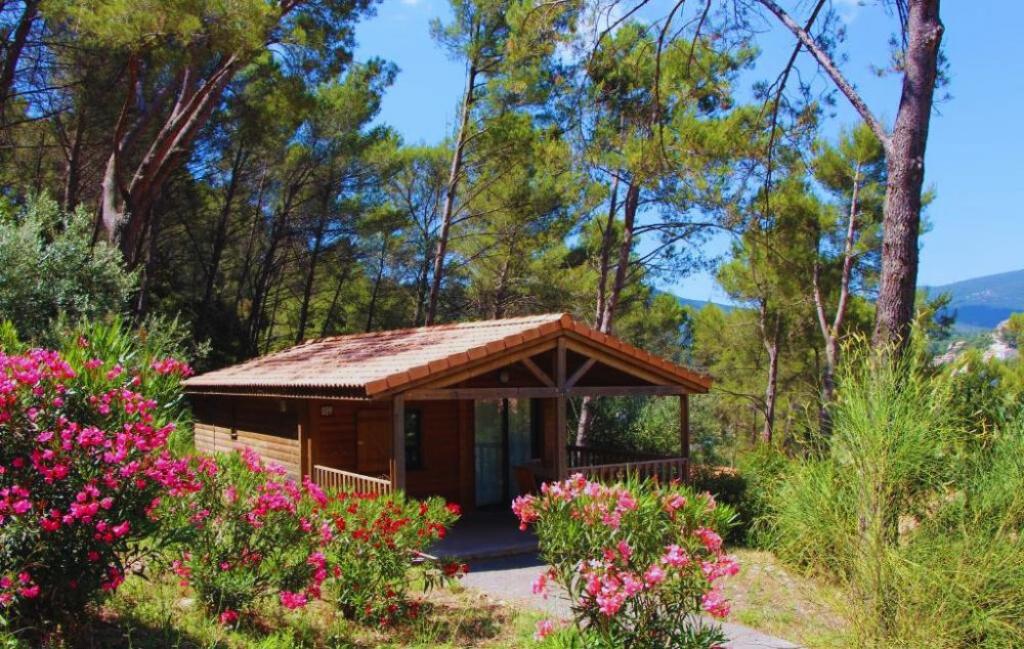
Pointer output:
326, 411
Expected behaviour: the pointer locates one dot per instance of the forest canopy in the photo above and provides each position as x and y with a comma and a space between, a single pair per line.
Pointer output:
226, 164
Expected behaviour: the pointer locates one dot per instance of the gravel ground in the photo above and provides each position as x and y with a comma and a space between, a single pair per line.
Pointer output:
511, 578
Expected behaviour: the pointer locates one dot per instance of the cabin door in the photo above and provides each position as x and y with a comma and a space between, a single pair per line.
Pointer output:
490, 454
373, 442
504, 441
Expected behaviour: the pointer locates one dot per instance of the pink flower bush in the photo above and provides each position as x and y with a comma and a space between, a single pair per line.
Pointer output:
83, 461
239, 536
640, 561
249, 534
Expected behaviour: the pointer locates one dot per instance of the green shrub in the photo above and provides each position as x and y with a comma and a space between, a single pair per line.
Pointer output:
747, 488
915, 517
82, 280
639, 560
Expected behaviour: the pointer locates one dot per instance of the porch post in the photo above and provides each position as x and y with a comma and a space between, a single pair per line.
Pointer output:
684, 432
560, 419
398, 442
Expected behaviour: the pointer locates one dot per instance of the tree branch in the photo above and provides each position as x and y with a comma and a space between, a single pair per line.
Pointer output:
826, 63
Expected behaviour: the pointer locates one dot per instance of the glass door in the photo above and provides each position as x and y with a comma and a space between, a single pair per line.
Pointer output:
490, 454
520, 439
504, 440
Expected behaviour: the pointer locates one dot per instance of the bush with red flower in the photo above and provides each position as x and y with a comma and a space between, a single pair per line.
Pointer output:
375, 541
83, 462
640, 561
250, 534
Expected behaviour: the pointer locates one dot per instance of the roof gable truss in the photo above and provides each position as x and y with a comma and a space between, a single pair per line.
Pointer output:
438, 381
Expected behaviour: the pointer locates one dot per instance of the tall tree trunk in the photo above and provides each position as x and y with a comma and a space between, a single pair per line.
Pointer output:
250, 246
150, 265
502, 289
606, 321
72, 166
605, 258
261, 288
372, 310
422, 287
611, 306
126, 210
904, 156
771, 333
905, 180
830, 332
328, 325
220, 235
12, 54
454, 174
307, 285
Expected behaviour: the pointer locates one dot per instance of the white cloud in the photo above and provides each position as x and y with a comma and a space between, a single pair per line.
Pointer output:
411, 3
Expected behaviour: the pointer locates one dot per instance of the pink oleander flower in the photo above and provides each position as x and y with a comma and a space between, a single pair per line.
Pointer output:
30, 592
654, 576
711, 540
724, 566
540, 585
676, 557
715, 603
625, 502
544, 629
612, 519
228, 617
674, 502
524, 508
624, 550
292, 600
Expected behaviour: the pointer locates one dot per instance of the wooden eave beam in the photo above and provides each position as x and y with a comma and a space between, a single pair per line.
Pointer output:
444, 394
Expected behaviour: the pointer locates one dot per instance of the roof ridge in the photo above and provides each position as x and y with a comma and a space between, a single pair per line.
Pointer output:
540, 317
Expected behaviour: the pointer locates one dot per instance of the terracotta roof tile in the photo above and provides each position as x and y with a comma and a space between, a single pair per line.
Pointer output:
386, 360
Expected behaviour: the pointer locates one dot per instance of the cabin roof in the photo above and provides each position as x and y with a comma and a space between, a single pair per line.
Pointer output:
381, 362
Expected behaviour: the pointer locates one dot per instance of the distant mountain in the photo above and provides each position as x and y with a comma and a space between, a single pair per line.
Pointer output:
984, 302
700, 304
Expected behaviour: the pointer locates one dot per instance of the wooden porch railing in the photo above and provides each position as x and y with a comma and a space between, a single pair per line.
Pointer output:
580, 456
330, 478
664, 469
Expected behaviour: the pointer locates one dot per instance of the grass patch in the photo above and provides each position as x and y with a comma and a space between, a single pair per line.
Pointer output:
150, 614
774, 600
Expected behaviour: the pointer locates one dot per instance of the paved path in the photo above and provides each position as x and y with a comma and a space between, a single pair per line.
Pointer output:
511, 578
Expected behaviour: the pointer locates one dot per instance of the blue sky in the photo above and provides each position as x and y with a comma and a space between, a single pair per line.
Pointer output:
974, 161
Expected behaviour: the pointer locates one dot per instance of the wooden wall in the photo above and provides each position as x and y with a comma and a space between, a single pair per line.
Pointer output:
226, 424
447, 443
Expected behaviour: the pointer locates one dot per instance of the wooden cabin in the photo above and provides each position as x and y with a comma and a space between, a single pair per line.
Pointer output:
474, 412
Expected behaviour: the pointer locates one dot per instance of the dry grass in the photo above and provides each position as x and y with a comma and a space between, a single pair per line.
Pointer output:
768, 597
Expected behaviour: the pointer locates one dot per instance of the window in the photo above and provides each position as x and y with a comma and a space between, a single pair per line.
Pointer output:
413, 440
